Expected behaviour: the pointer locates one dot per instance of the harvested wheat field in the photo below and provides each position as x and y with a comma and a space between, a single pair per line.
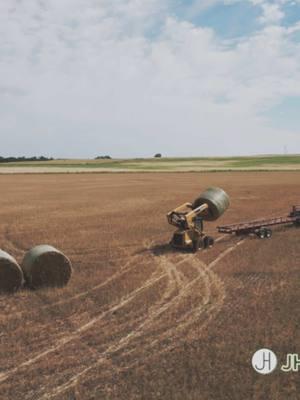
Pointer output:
137, 319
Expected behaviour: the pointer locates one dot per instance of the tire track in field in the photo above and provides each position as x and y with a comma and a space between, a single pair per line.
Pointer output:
220, 238
211, 310
249, 280
174, 280
215, 281
224, 254
129, 265
75, 335
203, 271
184, 289
174, 277
207, 305
126, 300
216, 308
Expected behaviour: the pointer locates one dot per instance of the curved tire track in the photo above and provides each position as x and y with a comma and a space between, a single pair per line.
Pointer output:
176, 281
203, 272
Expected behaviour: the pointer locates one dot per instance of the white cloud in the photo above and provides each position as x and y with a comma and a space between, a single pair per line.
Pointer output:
272, 13
83, 77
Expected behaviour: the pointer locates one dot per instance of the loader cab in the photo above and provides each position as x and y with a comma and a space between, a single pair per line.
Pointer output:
199, 223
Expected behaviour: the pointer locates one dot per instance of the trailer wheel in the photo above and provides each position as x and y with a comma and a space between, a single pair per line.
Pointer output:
261, 234
268, 233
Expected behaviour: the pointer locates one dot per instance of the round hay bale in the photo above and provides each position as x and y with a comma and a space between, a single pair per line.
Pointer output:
44, 265
11, 275
217, 200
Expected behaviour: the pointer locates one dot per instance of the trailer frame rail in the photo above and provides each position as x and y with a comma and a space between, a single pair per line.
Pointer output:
261, 227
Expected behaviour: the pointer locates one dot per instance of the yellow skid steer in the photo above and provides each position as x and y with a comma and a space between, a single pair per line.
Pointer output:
189, 217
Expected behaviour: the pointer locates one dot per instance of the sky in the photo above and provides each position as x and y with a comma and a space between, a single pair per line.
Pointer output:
130, 78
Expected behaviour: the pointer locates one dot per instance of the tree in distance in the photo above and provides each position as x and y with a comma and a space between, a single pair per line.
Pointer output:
158, 155
21, 159
103, 158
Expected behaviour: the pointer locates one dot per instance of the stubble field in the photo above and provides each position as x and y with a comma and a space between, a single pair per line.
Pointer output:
138, 320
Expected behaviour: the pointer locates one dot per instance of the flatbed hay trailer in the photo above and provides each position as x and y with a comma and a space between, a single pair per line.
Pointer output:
262, 227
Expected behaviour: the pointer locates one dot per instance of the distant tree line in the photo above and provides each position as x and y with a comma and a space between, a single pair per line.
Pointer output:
19, 159
103, 158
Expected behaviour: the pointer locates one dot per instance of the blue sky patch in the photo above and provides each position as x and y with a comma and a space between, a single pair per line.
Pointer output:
292, 14
286, 115
228, 21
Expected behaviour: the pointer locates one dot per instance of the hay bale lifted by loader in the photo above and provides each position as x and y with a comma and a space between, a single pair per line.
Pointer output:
189, 218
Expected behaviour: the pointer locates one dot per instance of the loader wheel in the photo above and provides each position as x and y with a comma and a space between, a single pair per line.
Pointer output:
208, 242
197, 244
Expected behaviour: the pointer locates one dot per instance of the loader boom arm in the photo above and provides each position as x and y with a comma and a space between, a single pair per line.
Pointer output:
183, 216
